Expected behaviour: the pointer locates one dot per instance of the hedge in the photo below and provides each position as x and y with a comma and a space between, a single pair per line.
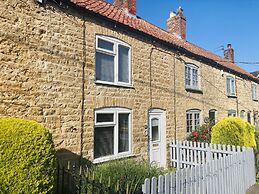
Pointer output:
27, 157
233, 131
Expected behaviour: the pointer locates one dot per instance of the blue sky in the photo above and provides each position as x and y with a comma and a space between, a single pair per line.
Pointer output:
212, 24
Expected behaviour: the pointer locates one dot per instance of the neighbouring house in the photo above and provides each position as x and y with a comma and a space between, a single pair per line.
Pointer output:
108, 84
255, 73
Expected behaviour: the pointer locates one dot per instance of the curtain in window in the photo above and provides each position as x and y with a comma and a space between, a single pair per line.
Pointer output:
228, 86
104, 67
103, 141
123, 64
123, 132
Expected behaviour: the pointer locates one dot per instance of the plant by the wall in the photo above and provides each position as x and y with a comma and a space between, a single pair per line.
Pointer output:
120, 176
233, 131
27, 157
202, 134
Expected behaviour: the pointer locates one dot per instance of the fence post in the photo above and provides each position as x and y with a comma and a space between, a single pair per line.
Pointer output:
178, 155
146, 187
208, 153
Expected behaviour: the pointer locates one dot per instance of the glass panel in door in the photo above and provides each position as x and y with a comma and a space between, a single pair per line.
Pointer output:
155, 129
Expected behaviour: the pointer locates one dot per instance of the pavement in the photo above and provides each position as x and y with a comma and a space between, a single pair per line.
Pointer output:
253, 190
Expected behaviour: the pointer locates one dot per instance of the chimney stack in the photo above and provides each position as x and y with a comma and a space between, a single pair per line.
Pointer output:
127, 5
229, 53
176, 24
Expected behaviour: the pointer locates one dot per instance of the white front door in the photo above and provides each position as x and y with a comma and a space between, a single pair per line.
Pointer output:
157, 138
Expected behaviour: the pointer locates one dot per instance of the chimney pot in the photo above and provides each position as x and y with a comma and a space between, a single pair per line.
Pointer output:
176, 24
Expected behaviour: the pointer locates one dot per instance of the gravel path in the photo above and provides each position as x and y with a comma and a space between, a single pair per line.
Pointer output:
253, 190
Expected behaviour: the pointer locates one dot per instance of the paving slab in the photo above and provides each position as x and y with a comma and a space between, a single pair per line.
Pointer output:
253, 190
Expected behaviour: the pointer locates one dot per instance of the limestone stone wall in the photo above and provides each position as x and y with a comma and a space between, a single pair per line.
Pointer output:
42, 54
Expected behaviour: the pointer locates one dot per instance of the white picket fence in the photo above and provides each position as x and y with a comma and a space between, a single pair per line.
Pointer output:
228, 173
186, 154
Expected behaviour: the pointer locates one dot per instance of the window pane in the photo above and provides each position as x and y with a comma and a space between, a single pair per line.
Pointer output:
228, 86
123, 64
242, 114
103, 141
123, 132
189, 122
231, 113
196, 120
104, 117
212, 116
195, 78
155, 129
232, 86
187, 76
105, 44
254, 91
104, 67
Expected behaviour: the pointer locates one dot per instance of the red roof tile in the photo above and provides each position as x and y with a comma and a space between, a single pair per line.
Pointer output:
114, 13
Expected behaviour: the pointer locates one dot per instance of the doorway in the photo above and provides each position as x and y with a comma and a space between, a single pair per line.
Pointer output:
157, 137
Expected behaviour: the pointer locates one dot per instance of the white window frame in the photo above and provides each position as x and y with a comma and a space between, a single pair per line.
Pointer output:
215, 114
232, 113
193, 112
114, 53
242, 114
254, 93
232, 85
115, 124
192, 67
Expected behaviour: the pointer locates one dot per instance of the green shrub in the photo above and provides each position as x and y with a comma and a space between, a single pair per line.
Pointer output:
202, 134
233, 131
27, 157
122, 176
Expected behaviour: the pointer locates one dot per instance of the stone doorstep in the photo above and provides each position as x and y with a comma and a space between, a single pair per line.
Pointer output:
253, 190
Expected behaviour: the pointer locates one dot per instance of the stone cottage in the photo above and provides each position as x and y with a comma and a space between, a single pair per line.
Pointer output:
110, 85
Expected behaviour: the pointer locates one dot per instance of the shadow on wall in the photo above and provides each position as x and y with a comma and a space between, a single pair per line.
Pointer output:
69, 169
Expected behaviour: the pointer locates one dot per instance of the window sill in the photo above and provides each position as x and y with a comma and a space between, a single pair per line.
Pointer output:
112, 157
194, 90
231, 96
114, 84
256, 100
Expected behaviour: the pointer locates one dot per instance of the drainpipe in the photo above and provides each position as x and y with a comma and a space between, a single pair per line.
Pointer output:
83, 94
236, 96
175, 133
150, 95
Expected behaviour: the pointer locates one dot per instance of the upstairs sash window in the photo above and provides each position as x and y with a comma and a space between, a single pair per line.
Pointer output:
191, 76
231, 89
112, 60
